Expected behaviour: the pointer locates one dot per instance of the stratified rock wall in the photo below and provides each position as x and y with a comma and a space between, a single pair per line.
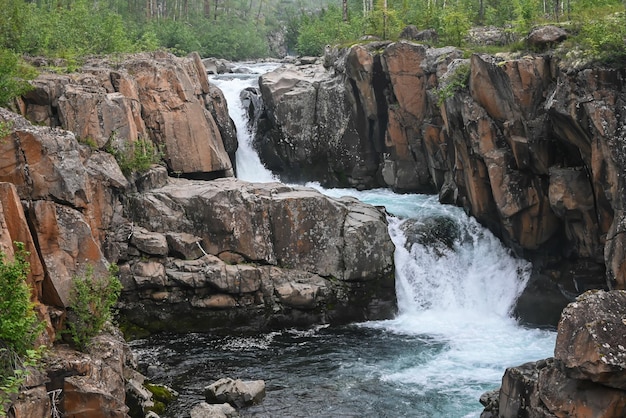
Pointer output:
257, 256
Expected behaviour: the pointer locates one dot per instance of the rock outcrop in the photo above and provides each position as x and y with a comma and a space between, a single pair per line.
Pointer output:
530, 147
252, 256
155, 97
587, 374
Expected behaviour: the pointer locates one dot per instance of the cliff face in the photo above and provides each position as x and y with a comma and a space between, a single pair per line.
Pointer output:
152, 97
531, 149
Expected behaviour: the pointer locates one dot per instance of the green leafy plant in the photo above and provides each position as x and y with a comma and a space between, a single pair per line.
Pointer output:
6, 128
89, 141
14, 76
604, 38
458, 80
137, 156
91, 302
19, 325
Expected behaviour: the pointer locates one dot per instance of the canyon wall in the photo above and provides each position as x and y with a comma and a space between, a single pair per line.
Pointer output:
530, 147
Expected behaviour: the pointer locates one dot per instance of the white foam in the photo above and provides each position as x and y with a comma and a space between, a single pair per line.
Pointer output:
249, 166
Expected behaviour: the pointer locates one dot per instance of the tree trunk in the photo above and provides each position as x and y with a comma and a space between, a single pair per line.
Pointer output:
345, 10
385, 19
207, 8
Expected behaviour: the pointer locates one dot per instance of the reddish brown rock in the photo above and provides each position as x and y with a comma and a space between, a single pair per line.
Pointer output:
67, 247
14, 228
155, 97
567, 397
92, 383
591, 339
170, 92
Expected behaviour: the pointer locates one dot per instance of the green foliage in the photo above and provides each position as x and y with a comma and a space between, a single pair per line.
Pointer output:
328, 28
458, 80
19, 325
137, 156
6, 128
238, 29
526, 13
455, 25
89, 141
13, 77
603, 40
385, 24
91, 302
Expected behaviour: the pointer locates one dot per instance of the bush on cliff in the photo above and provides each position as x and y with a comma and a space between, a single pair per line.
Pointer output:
13, 77
137, 156
19, 325
91, 303
604, 39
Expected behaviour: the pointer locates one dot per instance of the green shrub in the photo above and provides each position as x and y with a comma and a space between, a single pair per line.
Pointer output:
604, 39
19, 325
458, 80
137, 156
6, 128
91, 302
13, 77
328, 28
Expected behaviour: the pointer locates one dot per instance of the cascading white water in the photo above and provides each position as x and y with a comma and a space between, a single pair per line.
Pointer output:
455, 298
460, 296
249, 167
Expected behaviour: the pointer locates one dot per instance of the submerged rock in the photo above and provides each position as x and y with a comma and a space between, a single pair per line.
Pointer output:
205, 410
439, 233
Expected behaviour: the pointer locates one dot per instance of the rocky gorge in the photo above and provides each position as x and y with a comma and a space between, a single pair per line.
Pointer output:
530, 147
193, 254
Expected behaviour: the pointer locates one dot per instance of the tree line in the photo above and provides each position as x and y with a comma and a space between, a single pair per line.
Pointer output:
246, 29
453, 18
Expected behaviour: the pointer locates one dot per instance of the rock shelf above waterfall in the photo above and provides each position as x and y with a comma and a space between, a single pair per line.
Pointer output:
274, 255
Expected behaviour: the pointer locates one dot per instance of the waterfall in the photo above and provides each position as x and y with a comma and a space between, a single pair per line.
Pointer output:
249, 167
456, 286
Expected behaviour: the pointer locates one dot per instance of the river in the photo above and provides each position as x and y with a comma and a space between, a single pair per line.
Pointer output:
450, 342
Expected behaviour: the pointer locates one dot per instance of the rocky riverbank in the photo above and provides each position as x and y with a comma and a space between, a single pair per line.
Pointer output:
529, 146
193, 253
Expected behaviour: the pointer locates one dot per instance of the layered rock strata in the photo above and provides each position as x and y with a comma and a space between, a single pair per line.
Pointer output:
229, 254
150, 97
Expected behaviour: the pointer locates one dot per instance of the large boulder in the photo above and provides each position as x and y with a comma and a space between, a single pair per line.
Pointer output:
586, 377
307, 131
591, 339
290, 253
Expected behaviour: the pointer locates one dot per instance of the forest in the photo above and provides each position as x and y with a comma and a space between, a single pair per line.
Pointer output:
249, 29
